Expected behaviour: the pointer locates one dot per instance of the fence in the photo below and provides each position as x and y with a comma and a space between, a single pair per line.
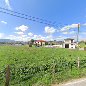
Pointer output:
78, 64
7, 76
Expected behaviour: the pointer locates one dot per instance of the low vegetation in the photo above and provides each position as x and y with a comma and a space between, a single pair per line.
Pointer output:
32, 66
82, 44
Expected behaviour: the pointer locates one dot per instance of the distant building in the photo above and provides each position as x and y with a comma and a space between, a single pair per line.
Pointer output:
39, 42
69, 43
58, 44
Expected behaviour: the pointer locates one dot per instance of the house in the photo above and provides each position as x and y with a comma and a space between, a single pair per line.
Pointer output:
69, 43
39, 42
58, 44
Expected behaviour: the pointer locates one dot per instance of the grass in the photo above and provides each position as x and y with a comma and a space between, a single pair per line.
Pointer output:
82, 44
40, 66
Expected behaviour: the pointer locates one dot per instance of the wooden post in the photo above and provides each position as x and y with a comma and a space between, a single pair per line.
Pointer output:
53, 69
78, 62
7, 76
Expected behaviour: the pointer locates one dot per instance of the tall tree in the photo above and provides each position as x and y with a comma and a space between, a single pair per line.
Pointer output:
32, 41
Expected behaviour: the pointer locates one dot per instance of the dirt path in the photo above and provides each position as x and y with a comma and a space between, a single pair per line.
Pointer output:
78, 82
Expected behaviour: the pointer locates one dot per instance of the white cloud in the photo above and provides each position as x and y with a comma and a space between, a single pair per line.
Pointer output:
60, 38
1, 35
64, 32
71, 32
12, 37
49, 38
30, 34
37, 37
50, 30
65, 28
19, 33
3, 22
7, 2
40, 37
23, 35
18, 38
22, 28
26, 37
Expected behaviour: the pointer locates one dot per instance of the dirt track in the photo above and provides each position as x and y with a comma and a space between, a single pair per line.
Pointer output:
79, 82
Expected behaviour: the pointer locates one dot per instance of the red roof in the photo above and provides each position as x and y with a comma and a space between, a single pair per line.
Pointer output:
40, 41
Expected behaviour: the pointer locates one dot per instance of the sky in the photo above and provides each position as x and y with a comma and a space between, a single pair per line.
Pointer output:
62, 15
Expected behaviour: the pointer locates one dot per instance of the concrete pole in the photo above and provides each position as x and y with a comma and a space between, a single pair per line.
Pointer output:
78, 36
78, 62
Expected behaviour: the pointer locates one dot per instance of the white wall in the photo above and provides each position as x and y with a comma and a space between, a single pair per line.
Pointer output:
43, 43
72, 46
68, 41
58, 46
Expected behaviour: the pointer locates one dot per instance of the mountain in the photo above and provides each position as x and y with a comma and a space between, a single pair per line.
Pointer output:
6, 40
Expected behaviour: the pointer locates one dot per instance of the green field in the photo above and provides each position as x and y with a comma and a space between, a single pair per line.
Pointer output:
40, 66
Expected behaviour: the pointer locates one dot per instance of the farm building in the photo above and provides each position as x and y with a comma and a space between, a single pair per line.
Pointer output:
39, 42
69, 43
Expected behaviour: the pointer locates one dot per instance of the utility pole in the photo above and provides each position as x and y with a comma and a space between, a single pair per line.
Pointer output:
78, 36
78, 60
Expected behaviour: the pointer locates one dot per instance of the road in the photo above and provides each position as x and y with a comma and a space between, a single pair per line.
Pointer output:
79, 82
76, 83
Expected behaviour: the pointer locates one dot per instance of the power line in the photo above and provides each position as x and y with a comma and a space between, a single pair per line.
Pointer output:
31, 18
24, 16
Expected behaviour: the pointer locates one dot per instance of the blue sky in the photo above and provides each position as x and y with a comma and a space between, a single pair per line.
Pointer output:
66, 14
